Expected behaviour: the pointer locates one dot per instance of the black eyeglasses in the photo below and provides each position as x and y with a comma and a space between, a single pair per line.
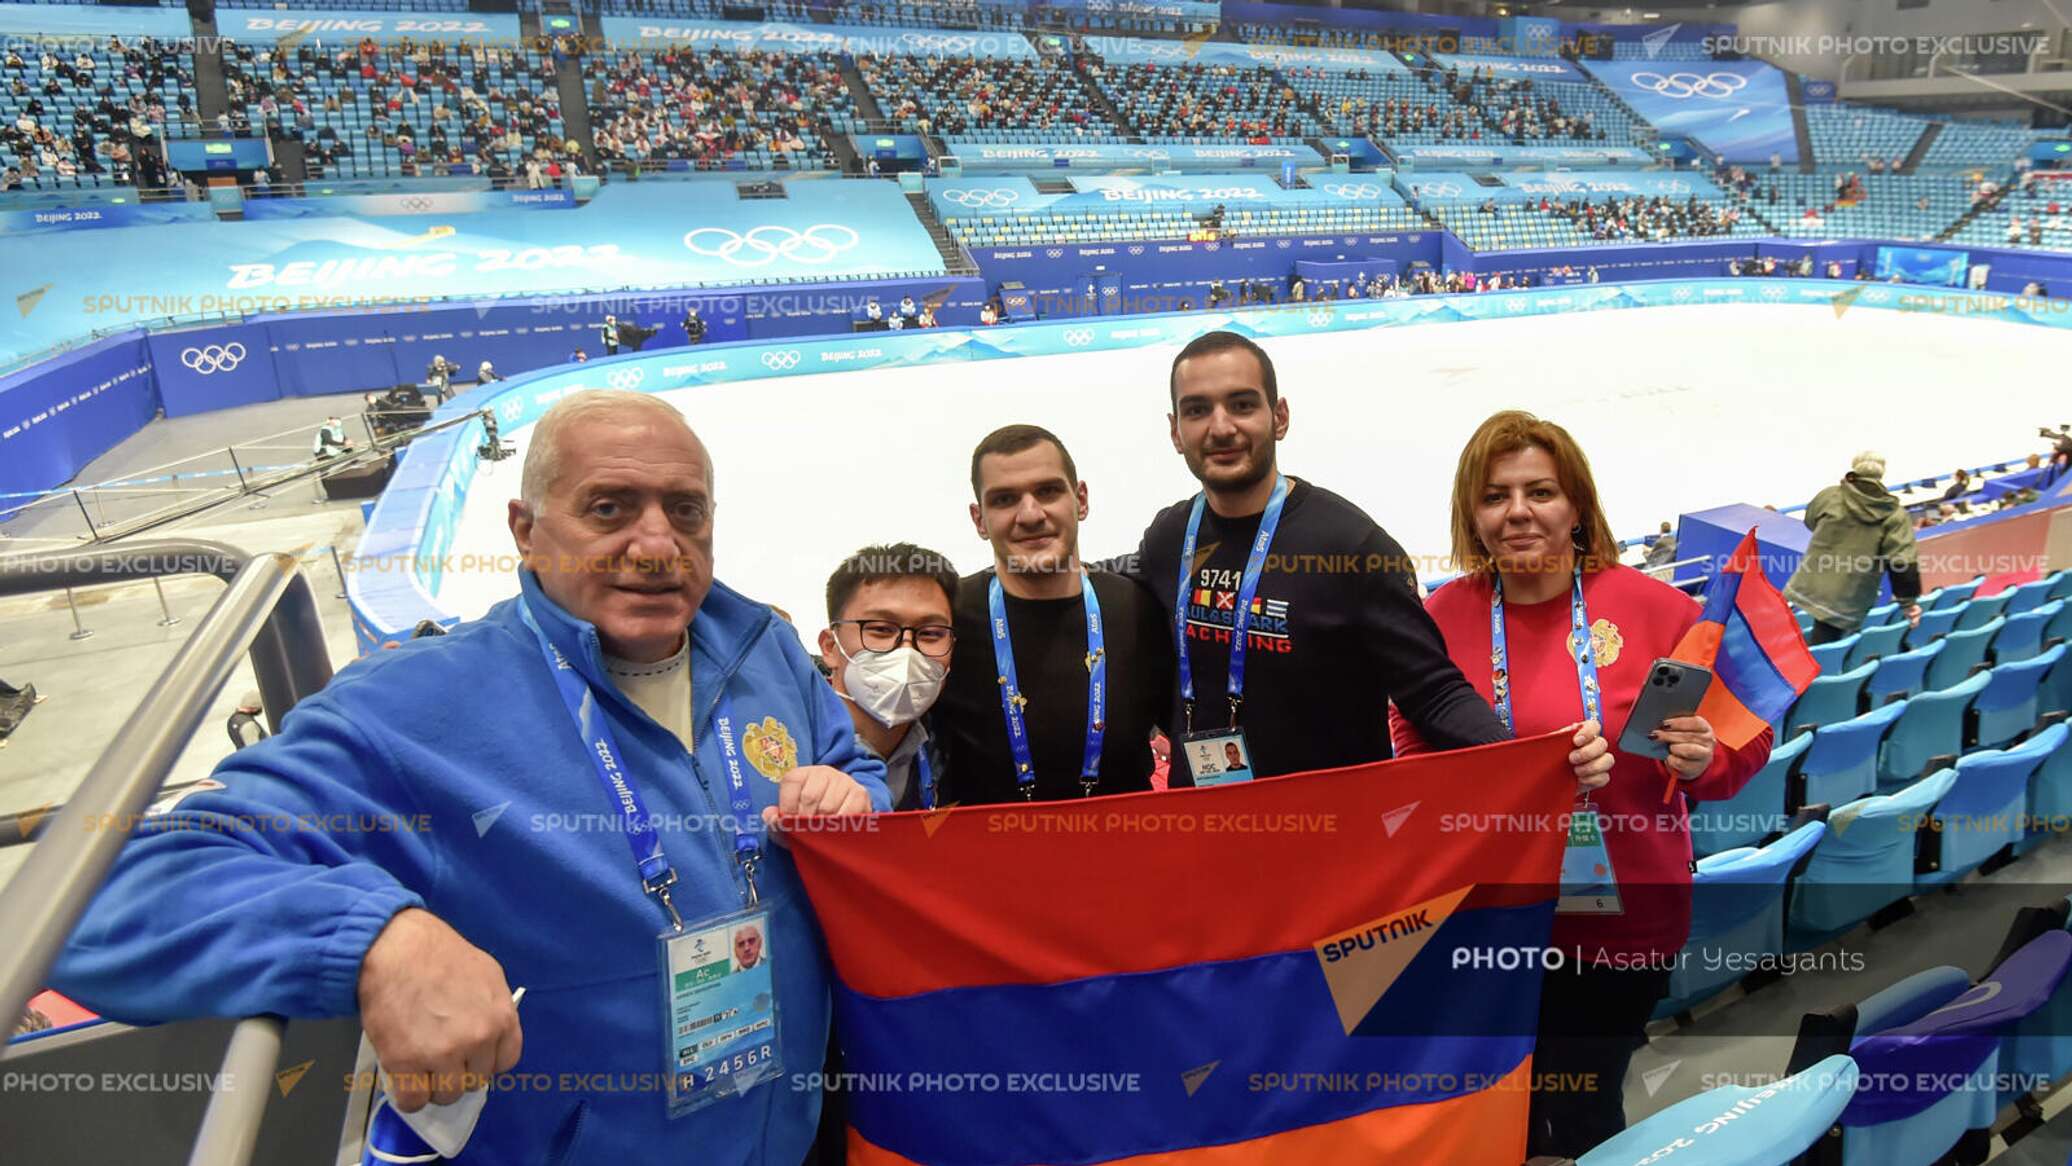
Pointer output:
882, 635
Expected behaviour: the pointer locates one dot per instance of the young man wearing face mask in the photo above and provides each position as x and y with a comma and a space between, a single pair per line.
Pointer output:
1062, 673
887, 648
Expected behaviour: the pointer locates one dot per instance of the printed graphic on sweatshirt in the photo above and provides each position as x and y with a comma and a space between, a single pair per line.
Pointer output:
1212, 613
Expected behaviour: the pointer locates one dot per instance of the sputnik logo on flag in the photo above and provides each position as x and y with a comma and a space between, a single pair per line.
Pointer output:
1363, 963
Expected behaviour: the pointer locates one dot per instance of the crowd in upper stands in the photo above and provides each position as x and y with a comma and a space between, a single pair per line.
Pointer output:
426, 106
958, 96
1638, 219
1512, 106
708, 108
89, 117
1198, 101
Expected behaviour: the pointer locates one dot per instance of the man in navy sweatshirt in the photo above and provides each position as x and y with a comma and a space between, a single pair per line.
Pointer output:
451, 820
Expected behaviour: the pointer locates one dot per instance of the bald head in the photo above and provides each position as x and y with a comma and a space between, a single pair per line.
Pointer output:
616, 521
546, 456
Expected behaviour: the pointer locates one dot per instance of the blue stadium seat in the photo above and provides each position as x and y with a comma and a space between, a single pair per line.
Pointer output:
1953, 595
1900, 675
1842, 765
2029, 596
1796, 1112
1864, 863
2055, 694
2060, 626
1929, 735
2012, 701
2021, 636
1805, 621
1935, 624
1985, 811
2039, 1047
2050, 795
1980, 612
1962, 654
1880, 615
1737, 916
1929, 1050
1833, 657
1754, 813
1876, 643
2061, 585
1828, 700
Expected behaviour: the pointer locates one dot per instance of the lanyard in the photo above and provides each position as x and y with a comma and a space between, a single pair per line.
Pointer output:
1012, 700
1578, 640
1248, 586
926, 773
656, 875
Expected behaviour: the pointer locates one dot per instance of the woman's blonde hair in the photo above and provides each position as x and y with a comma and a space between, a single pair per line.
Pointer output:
1509, 432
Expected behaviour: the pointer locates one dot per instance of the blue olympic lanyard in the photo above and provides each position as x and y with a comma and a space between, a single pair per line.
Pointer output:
926, 773
656, 875
1011, 699
1247, 588
1578, 642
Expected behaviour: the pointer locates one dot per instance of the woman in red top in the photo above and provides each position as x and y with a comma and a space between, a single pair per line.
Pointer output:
1527, 526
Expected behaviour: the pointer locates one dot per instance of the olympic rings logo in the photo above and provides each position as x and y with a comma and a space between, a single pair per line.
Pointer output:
781, 361
1683, 86
932, 42
1438, 190
1078, 337
974, 196
415, 202
1054, 252
1353, 189
1136, 248
1320, 317
626, 378
766, 244
513, 410
214, 358
1150, 155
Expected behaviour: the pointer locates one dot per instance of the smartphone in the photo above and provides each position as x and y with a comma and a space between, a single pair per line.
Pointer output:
1674, 689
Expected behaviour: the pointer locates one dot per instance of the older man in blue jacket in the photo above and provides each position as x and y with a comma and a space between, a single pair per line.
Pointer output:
450, 821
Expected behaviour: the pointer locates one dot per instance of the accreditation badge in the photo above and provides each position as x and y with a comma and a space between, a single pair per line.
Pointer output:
1588, 886
1216, 756
719, 1001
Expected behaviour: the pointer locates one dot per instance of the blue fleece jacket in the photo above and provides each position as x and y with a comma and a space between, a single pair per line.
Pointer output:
447, 774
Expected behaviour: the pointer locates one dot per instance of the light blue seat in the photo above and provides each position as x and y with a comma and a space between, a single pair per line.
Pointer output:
1842, 765
2060, 626
1881, 615
2050, 796
2029, 596
2055, 694
1953, 595
2061, 585
1737, 916
1930, 1060
1929, 735
1865, 862
2039, 1047
1980, 612
1985, 811
1754, 813
1900, 675
2012, 701
1962, 653
1796, 1112
1833, 658
1934, 626
2021, 636
1805, 621
1828, 700
1876, 643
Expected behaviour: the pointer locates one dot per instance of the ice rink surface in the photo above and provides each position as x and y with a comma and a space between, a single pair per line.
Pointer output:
1679, 409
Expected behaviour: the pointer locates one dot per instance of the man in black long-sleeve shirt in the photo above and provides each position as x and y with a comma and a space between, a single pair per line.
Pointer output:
1336, 629
1029, 505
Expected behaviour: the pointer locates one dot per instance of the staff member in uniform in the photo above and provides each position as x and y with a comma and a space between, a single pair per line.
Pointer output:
1060, 673
1543, 576
887, 650
1296, 618
412, 870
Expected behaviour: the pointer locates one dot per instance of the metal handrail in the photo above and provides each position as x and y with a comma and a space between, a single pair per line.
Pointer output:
267, 610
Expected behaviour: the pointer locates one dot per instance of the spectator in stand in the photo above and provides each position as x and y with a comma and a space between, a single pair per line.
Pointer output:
1959, 483
1860, 532
987, 316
